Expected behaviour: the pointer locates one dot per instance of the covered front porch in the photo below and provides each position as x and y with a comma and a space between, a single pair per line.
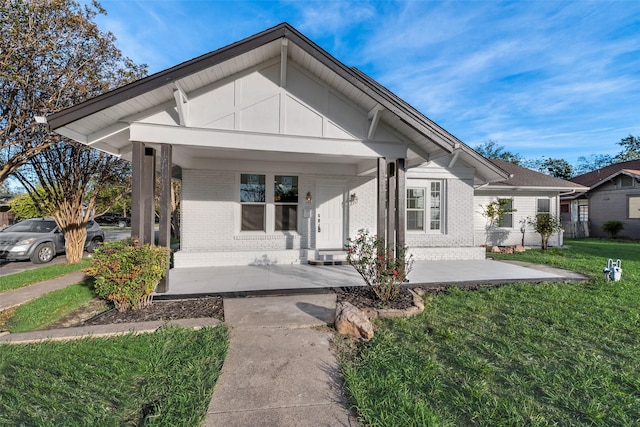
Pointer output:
281, 277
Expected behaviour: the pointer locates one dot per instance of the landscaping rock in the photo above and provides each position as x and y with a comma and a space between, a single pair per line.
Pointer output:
496, 249
518, 249
352, 321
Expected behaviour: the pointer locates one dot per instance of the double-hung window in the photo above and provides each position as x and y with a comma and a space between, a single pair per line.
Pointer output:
507, 219
264, 210
285, 197
253, 201
543, 206
424, 207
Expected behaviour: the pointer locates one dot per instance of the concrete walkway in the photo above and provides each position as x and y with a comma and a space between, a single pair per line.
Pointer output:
19, 296
280, 370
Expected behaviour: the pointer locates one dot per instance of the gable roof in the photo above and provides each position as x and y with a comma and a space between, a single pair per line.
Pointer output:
521, 178
596, 177
96, 120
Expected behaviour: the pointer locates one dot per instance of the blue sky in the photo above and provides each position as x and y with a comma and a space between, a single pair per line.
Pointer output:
541, 78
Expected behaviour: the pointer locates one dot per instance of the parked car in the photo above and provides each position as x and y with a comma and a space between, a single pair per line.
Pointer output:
113, 218
40, 240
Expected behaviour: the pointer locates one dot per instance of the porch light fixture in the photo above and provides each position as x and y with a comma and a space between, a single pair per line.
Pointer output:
308, 197
353, 199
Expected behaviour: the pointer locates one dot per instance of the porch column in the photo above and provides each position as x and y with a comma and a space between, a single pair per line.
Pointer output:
148, 196
391, 205
164, 233
401, 203
382, 196
137, 157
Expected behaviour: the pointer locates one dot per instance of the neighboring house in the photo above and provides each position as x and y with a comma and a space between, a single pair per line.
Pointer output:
614, 195
531, 193
284, 152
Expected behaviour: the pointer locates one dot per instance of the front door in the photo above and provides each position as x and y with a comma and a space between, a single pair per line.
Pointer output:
330, 217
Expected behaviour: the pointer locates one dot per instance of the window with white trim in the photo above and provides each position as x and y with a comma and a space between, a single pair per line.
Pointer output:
543, 206
253, 201
507, 219
285, 197
634, 206
424, 204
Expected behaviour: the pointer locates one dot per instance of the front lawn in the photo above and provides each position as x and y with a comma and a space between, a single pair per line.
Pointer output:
548, 354
165, 378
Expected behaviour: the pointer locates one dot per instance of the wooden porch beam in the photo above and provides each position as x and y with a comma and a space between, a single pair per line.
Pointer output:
148, 196
234, 140
454, 158
382, 197
401, 204
182, 104
374, 116
137, 206
106, 132
164, 231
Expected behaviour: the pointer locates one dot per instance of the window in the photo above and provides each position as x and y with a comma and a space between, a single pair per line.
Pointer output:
507, 219
544, 206
285, 196
421, 199
634, 207
626, 181
415, 209
583, 213
252, 199
434, 206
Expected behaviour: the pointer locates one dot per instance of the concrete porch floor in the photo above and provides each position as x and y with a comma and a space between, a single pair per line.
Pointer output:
239, 279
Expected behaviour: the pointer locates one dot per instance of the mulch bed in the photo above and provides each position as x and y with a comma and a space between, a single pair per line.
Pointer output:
164, 310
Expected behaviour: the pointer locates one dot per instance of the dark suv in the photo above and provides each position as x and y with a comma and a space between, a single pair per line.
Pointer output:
40, 240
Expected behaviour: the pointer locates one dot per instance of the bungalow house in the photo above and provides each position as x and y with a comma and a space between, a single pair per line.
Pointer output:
613, 195
529, 193
284, 153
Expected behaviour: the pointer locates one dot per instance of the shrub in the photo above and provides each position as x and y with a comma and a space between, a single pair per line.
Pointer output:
127, 273
613, 228
381, 269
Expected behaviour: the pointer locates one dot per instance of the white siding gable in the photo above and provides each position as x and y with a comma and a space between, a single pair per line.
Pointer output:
254, 102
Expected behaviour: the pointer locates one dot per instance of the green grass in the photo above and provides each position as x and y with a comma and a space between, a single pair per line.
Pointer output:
160, 379
548, 354
50, 307
29, 277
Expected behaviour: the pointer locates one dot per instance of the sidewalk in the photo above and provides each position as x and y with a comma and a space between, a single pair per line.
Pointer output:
19, 296
280, 370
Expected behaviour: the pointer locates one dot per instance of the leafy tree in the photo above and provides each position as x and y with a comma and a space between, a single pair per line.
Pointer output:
559, 168
546, 225
630, 148
593, 162
52, 56
24, 207
491, 150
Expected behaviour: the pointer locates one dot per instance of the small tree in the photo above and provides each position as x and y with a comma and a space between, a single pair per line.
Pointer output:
613, 228
546, 225
495, 213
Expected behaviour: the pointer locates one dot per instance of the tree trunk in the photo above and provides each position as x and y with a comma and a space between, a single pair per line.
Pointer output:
74, 239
